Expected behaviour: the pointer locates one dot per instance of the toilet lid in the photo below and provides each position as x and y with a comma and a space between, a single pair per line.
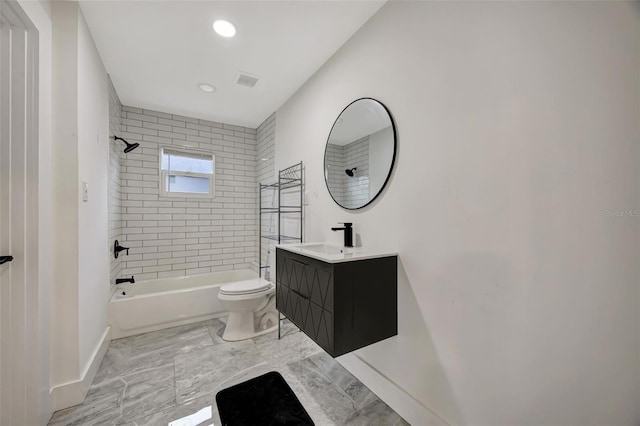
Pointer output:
246, 287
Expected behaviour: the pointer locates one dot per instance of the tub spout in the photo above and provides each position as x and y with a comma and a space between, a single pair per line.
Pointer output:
125, 280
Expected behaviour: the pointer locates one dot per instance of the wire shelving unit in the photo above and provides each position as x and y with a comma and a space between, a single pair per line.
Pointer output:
285, 215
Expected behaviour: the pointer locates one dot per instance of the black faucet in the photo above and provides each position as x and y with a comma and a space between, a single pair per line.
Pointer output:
348, 233
117, 248
125, 280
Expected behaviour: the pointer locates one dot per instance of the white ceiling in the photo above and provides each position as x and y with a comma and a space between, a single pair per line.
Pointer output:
156, 52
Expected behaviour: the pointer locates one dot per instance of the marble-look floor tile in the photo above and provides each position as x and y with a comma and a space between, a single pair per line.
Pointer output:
172, 341
151, 390
329, 397
163, 417
338, 375
309, 401
179, 411
206, 370
155, 349
159, 377
118, 361
377, 413
291, 347
103, 411
115, 398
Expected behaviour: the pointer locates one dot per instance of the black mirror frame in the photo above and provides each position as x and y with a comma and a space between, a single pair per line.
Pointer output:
393, 159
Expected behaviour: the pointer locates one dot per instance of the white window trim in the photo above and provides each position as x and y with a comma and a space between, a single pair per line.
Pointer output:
165, 173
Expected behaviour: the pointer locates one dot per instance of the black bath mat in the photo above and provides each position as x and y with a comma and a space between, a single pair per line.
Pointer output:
263, 400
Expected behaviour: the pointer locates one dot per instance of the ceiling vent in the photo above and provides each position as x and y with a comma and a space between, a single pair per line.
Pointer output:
246, 80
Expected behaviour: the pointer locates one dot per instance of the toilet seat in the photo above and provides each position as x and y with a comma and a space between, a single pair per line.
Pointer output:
256, 285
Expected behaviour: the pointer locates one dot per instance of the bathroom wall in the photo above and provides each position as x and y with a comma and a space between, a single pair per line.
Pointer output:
80, 105
518, 149
115, 196
93, 213
174, 236
266, 174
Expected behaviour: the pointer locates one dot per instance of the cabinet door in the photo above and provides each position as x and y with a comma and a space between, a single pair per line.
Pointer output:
309, 277
298, 282
284, 268
282, 298
301, 311
325, 331
321, 287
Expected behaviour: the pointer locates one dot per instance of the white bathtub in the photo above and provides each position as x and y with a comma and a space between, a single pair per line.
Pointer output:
167, 302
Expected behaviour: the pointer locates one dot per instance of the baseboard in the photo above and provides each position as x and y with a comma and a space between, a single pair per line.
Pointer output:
412, 410
73, 393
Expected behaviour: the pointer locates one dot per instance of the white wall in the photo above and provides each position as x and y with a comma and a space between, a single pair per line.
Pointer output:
518, 295
64, 301
93, 162
80, 153
40, 14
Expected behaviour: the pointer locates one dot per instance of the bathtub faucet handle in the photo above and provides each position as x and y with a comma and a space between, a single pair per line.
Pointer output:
117, 248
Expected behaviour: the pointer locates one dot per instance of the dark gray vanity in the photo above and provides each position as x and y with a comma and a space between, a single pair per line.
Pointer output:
343, 300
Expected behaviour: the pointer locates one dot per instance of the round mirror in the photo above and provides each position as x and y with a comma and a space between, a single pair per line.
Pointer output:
360, 153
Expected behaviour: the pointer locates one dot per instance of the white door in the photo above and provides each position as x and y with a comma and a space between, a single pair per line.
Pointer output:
18, 218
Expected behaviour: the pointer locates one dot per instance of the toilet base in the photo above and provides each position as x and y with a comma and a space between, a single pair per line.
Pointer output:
241, 326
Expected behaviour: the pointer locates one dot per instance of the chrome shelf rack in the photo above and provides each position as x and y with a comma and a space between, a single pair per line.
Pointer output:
288, 189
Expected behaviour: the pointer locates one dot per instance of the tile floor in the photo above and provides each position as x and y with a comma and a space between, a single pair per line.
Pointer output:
156, 378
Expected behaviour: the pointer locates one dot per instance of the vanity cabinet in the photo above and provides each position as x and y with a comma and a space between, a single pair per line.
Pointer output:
342, 306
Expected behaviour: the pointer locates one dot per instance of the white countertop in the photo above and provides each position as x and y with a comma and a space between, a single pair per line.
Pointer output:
335, 254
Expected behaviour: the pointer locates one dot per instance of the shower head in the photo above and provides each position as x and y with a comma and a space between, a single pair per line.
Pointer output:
130, 146
349, 172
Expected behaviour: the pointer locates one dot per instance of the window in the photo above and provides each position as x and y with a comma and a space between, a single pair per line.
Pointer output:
186, 173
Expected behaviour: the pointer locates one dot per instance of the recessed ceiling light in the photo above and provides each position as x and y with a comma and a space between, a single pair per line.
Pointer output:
207, 88
224, 28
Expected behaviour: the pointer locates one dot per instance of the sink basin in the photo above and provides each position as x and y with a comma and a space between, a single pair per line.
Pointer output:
334, 253
323, 248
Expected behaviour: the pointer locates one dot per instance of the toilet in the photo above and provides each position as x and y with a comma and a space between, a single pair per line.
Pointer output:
252, 308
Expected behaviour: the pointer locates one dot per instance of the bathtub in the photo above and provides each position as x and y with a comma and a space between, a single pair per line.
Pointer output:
167, 302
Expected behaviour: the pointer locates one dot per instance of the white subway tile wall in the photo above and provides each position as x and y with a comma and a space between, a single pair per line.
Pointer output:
334, 174
266, 149
174, 236
349, 191
356, 154
266, 174
115, 196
